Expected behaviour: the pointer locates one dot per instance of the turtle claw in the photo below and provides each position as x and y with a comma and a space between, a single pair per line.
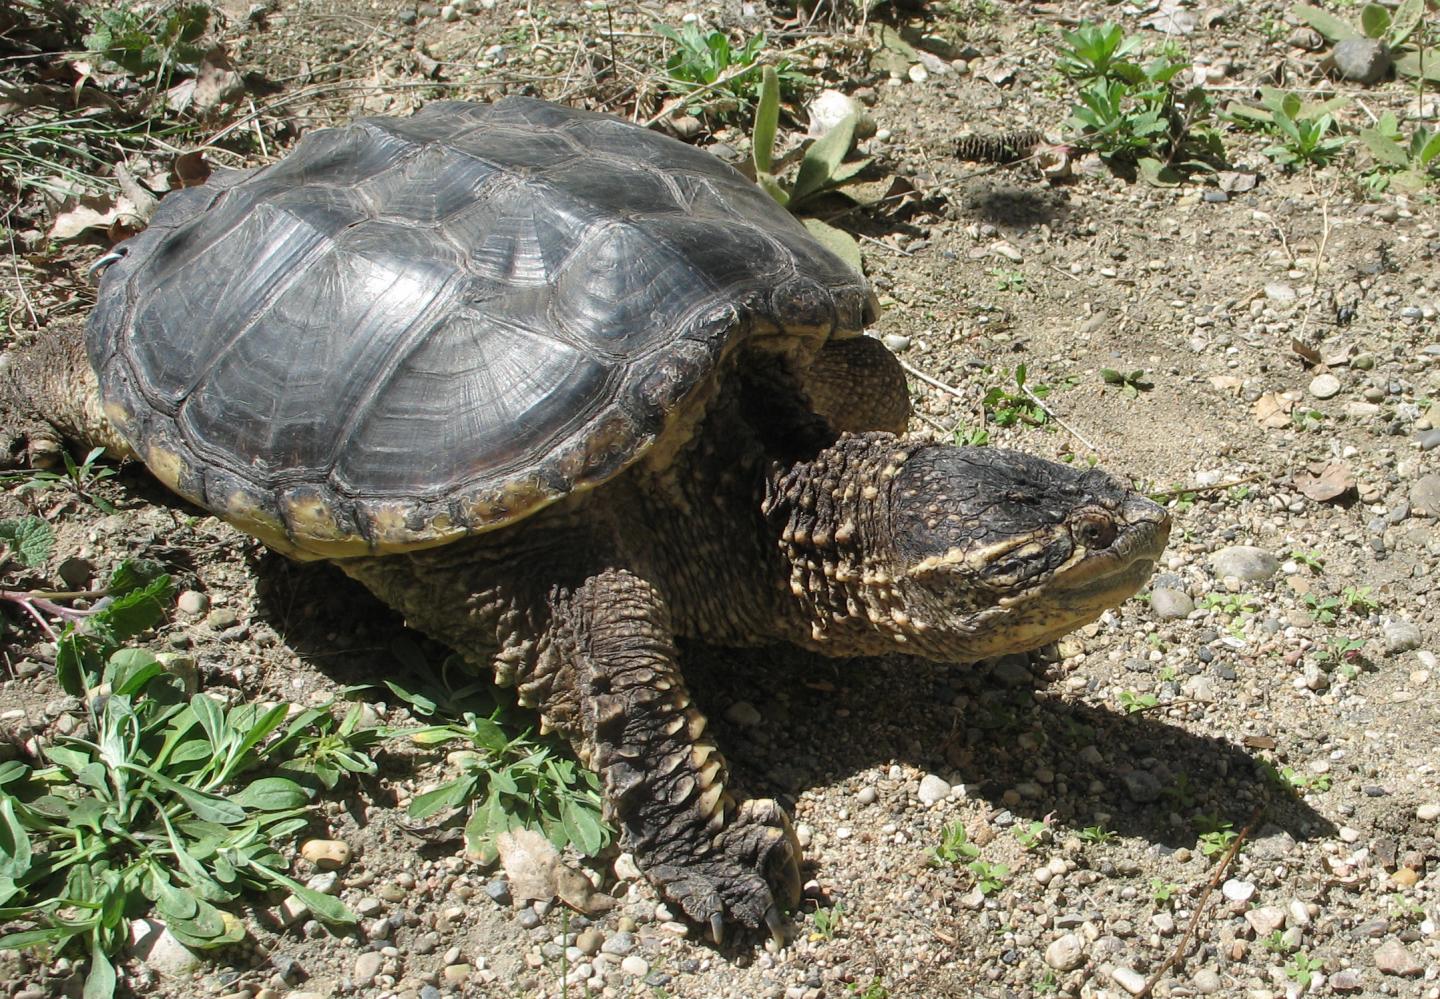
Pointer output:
776, 924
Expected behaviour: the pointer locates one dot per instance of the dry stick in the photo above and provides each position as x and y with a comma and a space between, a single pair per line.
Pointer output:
1051, 413
1182, 490
1220, 869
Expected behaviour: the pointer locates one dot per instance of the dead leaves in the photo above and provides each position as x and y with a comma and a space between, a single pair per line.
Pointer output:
1325, 482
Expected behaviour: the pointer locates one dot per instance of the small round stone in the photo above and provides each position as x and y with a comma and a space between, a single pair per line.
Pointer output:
1237, 890
192, 602
1244, 562
367, 966
636, 965
1325, 386
326, 854
1170, 605
1364, 60
933, 789
1066, 953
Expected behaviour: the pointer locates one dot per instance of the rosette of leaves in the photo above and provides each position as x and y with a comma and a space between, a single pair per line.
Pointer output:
725, 78
1306, 130
152, 805
1400, 164
1397, 32
151, 46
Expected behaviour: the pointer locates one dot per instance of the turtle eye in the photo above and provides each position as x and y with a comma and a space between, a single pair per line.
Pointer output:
1094, 530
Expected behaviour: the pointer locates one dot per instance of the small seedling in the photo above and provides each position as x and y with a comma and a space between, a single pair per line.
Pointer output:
1132, 703
1359, 600
1309, 558
1230, 605
1048, 984
1340, 650
1302, 969
1132, 384
823, 169
1095, 51
989, 878
1215, 837
1276, 943
873, 989
80, 479
1305, 131
971, 437
1303, 418
1032, 834
1163, 892
1005, 408
1304, 783
1008, 280
1097, 835
151, 46
827, 922
1405, 165
1322, 609
954, 847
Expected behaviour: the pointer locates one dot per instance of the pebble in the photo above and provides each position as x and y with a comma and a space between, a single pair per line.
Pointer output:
1170, 605
326, 854
192, 602
1277, 292
1266, 919
590, 941
456, 974
1428, 440
1364, 60
1141, 786
1237, 890
896, 342
1325, 386
866, 796
1401, 636
744, 714
1428, 812
1207, 982
1393, 958
1346, 980
933, 789
1066, 953
221, 618
367, 966
154, 944
1244, 562
1128, 979
635, 965
619, 945
1425, 496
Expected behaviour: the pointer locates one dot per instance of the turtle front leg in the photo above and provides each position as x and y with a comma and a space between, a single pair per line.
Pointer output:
607, 676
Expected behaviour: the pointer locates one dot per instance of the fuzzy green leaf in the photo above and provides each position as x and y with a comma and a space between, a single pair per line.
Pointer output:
837, 241
1325, 22
1374, 20
822, 159
1158, 174
767, 120
100, 982
1420, 64
1406, 20
451, 794
30, 540
272, 794
1383, 148
15, 853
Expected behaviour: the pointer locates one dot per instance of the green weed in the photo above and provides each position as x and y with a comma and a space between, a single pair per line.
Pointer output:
1132, 703
1132, 384
725, 78
1398, 32
1306, 133
873, 989
81, 479
827, 922
1405, 165
955, 848
1302, 969
1098, 835
1162, 892
506, 782
1005, 408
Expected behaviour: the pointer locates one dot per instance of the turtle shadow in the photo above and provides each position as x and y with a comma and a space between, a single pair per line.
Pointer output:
1024, 750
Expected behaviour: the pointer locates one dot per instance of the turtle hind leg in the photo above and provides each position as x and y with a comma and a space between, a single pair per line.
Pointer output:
857, 385
608, 678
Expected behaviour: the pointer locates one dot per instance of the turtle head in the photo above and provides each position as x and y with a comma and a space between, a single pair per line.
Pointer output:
956, 554
998, 551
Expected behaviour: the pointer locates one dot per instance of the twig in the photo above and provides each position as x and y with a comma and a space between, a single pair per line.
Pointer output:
929, 380
1219, 486
1051, 413
1200, 907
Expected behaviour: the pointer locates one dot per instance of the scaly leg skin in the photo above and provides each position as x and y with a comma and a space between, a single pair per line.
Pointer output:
858, 385
607, 677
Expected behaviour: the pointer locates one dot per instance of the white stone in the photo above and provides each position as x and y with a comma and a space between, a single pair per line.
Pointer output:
154, 944
1066, 953
367, 966
1236, 890
635, 965
1128, 979
933, 789
1325, 386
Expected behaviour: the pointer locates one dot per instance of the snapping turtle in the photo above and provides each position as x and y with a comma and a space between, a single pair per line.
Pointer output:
562, 390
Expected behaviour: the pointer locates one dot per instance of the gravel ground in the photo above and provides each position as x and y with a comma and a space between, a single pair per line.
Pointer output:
1278, 680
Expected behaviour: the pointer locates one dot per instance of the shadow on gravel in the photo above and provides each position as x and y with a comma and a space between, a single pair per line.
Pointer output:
1136, 775
825, 720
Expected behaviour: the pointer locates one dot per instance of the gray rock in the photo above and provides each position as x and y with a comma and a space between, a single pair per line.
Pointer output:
1141, 786
1170, 605
1363, 60
619, 945
1425, 496
1207, 982
896, 341
1346, 980
1325, 386
367, 966
1428, 440
1244, 562
1013, 671
590, 940
1401, 636
744, 714
1066, 953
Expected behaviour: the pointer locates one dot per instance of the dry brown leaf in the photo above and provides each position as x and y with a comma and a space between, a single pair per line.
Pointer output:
1272, 410
92, 213
531, 863
1307, 353
1330, 482
190, 170
1227, 383
216, 81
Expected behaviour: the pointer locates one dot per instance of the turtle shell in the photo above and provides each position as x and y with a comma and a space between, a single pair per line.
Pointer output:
413, 329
